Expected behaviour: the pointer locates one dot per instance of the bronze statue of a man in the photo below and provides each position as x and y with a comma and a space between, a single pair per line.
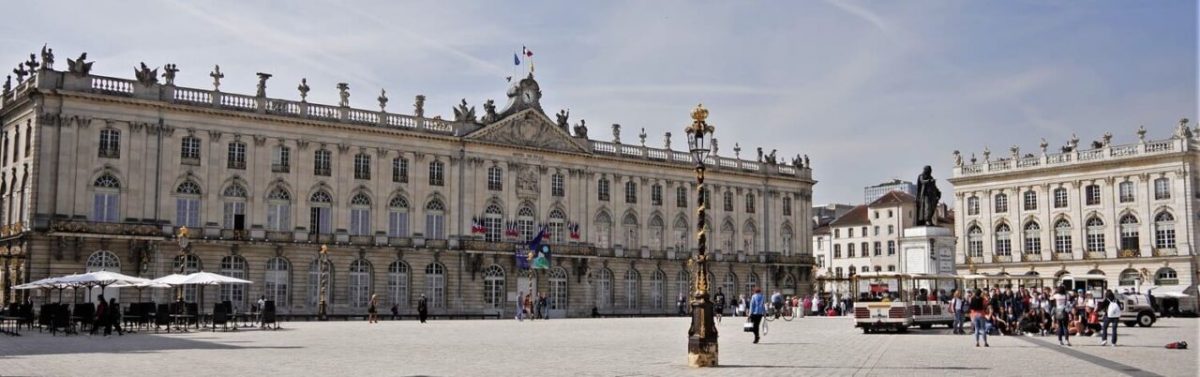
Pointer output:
928, 196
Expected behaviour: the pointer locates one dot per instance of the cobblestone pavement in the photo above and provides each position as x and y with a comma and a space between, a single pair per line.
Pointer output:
590, 347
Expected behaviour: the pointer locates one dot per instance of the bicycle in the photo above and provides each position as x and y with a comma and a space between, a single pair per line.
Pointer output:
787, 313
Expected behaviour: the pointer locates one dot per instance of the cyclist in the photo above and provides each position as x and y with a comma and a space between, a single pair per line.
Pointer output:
777, 303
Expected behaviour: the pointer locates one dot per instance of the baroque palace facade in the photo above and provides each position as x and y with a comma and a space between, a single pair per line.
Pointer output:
1128, 211
101, 172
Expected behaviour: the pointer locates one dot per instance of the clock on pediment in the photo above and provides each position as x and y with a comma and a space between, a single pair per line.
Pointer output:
524, 94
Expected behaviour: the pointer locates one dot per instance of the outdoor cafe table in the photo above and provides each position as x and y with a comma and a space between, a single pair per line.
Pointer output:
181, 319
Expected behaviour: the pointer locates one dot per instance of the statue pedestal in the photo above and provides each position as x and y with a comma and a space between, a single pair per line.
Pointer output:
927, 250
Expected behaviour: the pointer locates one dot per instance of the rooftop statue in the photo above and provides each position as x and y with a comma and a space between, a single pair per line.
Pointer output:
145, 75
561, 120
462, 113
7, 84
32, 63
581, 129
344, 94
80, 66
262, 84
169, 74
489, 112
47, 57
419, 106
216, 76
303, 88
770, 159
383, 100
667, 141
616, 128
928, 196
20, 72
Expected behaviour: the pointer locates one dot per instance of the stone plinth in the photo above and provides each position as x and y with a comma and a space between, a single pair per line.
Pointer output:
927, 250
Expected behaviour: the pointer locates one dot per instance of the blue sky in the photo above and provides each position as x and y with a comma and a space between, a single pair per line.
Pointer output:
870, 90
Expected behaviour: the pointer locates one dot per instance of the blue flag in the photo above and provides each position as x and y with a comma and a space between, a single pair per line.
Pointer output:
522, 258
516, 60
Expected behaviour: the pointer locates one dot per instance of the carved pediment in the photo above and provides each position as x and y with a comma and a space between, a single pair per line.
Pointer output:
529, 128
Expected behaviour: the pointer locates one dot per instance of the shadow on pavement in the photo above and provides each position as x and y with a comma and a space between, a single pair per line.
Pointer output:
141, 344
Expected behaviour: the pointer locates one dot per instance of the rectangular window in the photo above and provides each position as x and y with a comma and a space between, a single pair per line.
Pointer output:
1162, 189
110, 144
279, 217
878, 248
436, 174
630, 192
681, 197
319, 220
557, 188
187, 212
189, 151
787, 206
1033, 242
891, 229
1125, 192
281, 159
106, 207
1030, 201
602, 190
362, 166
398, 224
495, 179
237, 156
360, 222
435, 226
232, 209
891, 247
656, 195
321, 163
1060, 198
400, 170
876, 229
1092, 193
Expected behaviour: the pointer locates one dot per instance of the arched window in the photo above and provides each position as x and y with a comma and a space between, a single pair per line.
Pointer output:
360, 215
633, 287
493, 286
188, 264
604, 288
603, 225
752, 282
730, 284
1128, 277
728, 201
557, 226
279, 210
435, 220
398, 217
1095, 235
1001, 203
631, 230
103, 260
1130, 238
321, 206
106, 207
360, 283
789, 282
495, 179
493, 223
1062, 236
749, 203
187, 204
362, 166
602, 188
681, 233
656, 232
276, 282
973, 206
234, 266
1033, 238
631, 193
398, 283
974, 242
558, 288
435, 285
1164, 230
315, 274
750, 238
1003, 240
234, 198
1166, 276
525, 217
658, 289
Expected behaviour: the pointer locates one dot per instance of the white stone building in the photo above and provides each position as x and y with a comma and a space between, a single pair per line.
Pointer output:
1126, 211
100, 172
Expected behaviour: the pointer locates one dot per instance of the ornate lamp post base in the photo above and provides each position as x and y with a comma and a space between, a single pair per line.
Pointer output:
702, 337
702, 353
321, 311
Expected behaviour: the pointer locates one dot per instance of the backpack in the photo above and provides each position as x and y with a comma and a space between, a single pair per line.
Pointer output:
1060, 313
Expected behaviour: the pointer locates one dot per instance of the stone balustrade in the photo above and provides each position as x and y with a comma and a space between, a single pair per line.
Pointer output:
1106, 153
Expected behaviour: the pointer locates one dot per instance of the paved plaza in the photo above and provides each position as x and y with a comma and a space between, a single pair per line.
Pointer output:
589, 347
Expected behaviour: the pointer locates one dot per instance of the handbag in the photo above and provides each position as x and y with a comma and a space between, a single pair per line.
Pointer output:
748, 326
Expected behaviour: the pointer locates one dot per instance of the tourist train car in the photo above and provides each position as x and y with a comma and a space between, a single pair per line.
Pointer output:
879, 303
929, 291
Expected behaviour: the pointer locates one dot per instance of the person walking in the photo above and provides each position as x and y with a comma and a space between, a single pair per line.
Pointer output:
422, 308
1112, 314
520, 307
114, 318
958, 306
395, 311
681, 305
816, 304
541, 306
718, 304
978, 322
741, 310
757, 309
1062, 316
528, 302
372, 310
101, 315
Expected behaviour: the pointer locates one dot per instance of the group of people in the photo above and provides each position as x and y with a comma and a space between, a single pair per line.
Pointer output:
529, 307
108, 315
373, 309
1032, 311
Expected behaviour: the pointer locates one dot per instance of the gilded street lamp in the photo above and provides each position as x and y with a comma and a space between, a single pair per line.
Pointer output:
324, 281
702, 336
181, 237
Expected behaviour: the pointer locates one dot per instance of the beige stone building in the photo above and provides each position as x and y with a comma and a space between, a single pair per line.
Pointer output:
100, 172
1127, 211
